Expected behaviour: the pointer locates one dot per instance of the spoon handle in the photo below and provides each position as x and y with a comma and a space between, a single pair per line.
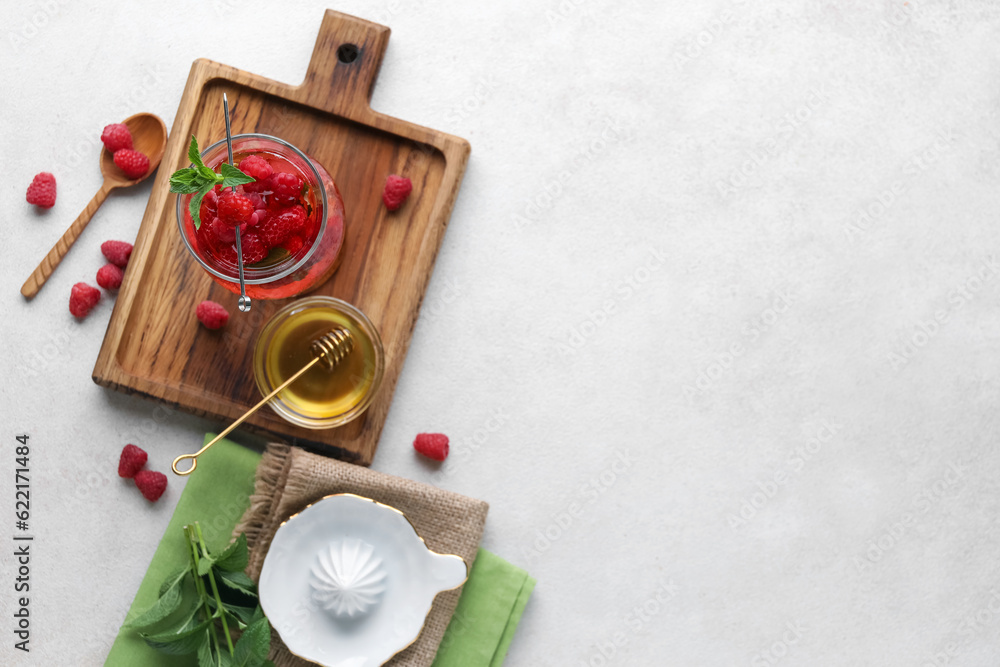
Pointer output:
62, 246
246, 415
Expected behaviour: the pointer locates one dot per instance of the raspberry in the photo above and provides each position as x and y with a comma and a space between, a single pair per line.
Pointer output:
228, 253
432, 445
293, 244
397, 189
256, 201
260, 212
206, 237
82, 298
209, 206
152, 484
42, 191
117, 252
109, 276
131, 461
133, 163
223, 232
116, 137
254, 249
234, 208
256, 166
213, 315
286, 188
275, 230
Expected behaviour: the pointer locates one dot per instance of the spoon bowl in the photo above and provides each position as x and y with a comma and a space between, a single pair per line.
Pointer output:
149, 136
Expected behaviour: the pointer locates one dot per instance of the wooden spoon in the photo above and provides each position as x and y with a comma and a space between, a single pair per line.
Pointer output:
149, 136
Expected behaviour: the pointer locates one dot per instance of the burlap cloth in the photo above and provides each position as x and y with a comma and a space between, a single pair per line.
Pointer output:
289, 478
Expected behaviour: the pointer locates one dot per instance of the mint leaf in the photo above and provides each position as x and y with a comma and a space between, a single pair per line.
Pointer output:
236, 556
194, 207
166, 605
246, 614
194, 154
258, 614
238, 581
207, 175
252, 648
186, 619
173, 579
184, 181
231, 176
180, 643
205, 564
206, 657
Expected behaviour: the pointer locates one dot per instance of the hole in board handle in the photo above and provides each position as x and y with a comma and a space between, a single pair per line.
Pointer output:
347, 53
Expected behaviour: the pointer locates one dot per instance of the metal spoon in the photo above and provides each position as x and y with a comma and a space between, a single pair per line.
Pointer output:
244, 303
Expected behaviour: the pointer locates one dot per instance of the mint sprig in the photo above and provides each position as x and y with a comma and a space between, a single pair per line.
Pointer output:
198, 179
194, 614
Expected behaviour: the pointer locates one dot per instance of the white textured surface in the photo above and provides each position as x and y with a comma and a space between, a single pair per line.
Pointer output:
629, 341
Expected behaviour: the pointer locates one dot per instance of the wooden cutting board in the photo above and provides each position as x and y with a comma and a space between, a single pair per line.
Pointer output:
154, 345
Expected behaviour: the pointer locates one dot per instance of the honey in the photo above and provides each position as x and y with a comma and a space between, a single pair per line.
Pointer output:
321, 398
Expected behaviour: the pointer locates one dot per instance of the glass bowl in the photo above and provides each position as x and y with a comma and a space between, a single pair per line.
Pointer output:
320, 398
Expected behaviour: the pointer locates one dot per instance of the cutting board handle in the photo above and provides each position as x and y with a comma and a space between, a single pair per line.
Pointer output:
344, 65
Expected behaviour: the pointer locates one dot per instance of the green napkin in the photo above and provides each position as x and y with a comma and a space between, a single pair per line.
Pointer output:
480, 631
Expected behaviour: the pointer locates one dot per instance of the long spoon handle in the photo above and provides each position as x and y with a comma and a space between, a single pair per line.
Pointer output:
42, 272
246, 415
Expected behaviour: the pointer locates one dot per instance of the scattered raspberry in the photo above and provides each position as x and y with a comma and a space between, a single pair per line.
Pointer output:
432, 445
109, 276
133, 163
397, 189
131, 461
213, 315
117, 252
275, 230
42, 191
82, 298
116, 137
254, 249
256, 166
293, 244
285, 187
234, 208
152, 484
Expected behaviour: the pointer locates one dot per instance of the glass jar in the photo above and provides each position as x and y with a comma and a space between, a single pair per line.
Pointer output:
320, 398
296, 266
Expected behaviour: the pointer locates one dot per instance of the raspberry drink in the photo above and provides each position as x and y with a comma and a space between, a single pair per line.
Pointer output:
291, 220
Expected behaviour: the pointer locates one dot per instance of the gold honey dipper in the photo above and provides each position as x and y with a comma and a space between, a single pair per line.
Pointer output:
328, 350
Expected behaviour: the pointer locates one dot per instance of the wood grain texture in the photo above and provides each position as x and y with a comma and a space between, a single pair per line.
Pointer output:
154, 346
51, 260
